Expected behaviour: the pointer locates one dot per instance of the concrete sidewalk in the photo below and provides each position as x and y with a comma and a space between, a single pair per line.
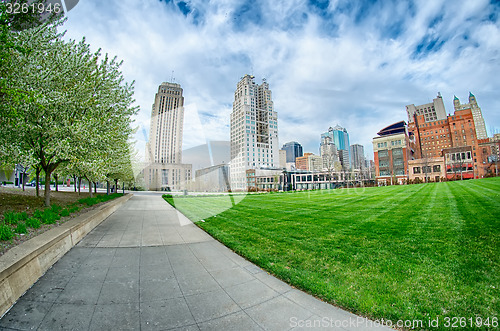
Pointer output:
149, 268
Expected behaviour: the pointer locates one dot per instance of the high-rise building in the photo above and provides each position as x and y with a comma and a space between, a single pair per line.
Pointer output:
431, 111
340, 138
476, 114
164, 169
167, 120
328, 152
254, 131
293, 150
357, 156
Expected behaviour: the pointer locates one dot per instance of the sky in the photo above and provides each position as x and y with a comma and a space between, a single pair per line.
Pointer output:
352, 63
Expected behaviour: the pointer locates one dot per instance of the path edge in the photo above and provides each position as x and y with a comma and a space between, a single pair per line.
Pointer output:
23, 265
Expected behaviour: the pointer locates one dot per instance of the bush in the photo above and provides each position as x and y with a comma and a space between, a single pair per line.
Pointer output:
56, 209
22, 216
64, 212
99, 198
33, 223
21, 228
38, 214
74, 209
10, 217
49, 217
6, 232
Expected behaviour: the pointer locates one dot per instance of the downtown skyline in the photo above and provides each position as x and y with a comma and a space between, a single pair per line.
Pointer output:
328, 63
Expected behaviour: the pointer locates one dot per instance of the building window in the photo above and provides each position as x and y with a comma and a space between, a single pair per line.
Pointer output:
436, 168
416, 170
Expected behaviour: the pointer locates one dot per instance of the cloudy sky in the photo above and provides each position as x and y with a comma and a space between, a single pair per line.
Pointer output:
352, 63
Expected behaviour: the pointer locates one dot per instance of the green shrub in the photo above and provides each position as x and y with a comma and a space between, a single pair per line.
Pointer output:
33, 223
38, 214
56, 209
21, 228
10, 217
88, 201
6, 232
74, 209
49, 217
64, 213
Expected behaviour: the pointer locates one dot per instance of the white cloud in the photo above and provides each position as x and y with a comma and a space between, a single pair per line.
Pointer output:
325, 67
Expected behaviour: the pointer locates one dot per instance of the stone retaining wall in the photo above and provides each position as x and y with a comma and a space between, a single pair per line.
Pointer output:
22, 265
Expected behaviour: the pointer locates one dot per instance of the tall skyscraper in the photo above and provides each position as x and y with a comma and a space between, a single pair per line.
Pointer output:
167, 120
164, 169
328, 152
340, 138
254, 130
293, 150
476, 114
433, 111
357, 156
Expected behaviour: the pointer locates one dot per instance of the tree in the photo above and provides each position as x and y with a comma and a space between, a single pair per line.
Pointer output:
426, 168
331, 163
76, 103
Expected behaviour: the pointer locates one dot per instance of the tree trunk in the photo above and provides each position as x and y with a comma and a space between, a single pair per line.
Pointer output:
24, 176
90, 187
116, 185
47, 188
123, 187
107, 187
95, 187
74, 182
79, 184
57, 186
37, 171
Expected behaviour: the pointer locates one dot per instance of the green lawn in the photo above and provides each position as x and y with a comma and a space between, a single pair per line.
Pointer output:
398, 252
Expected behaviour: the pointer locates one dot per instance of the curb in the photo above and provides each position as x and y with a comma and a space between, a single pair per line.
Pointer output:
24, 264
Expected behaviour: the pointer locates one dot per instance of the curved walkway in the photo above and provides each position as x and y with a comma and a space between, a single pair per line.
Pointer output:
147, 267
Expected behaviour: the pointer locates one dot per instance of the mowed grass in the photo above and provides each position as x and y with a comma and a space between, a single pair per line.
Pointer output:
399, 253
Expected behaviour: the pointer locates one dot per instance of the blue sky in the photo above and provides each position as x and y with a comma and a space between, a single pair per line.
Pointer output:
352, 63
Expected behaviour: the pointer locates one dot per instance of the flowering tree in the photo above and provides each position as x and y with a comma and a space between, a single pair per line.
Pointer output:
78, 105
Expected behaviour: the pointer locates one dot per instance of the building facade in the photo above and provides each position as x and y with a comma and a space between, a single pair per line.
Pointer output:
489, 155
430, 111
329, 152
427, 170
254, 131
213, 179
477, 115
164, 169
357, 156
302, 163
167, 120
392, 152
293, 150
340, 138
432, 139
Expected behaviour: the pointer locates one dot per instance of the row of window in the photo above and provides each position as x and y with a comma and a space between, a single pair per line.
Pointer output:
427, 169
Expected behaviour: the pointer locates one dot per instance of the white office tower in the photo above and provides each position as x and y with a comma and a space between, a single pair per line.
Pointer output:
164, 168
167, 120
254, 131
